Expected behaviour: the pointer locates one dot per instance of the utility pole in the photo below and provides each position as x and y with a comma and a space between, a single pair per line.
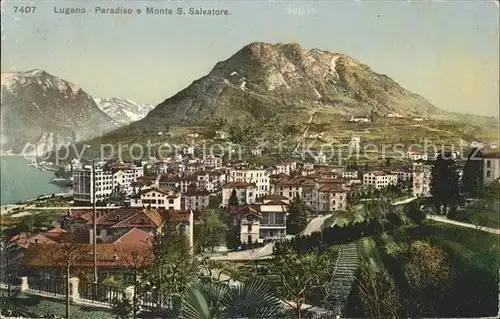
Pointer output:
94, 217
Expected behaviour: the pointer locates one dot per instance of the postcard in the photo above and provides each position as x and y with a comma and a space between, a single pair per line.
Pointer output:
250, 159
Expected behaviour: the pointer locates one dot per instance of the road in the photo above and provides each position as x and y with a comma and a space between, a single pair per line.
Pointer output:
443, 219
404, 201
315, 224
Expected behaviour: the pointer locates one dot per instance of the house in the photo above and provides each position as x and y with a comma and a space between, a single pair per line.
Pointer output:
246, 192
160, 167
379, 179
257, 222
212, 162
288, 187
172, 181
491, 167
403, 175
255, 175
350, 174
415, 156
114, 224
354, 143
156, 198
476, 144
199, 180
422, 178
112, 258
144, 183
256, 151
195, 199
286, 167
359, 119
329, 196
320, 158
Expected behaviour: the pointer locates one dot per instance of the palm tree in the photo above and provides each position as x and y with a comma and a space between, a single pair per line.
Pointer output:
215, 300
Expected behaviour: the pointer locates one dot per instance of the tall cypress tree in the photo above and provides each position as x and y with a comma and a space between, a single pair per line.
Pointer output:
472, 179
297, 217
444, 184
233, 199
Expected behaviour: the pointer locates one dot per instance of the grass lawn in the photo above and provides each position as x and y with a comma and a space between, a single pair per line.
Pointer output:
486, 211
343, 218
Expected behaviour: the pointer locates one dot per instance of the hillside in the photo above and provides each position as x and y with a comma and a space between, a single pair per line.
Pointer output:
38, 107
263, 81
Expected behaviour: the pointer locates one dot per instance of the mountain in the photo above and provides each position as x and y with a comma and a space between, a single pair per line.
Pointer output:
123, 111
283, 83
39, 107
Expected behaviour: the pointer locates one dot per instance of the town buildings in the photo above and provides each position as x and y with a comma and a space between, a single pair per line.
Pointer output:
254, 175
109, 178
422, 178
491, 167
380, 179
246, 192
156, 198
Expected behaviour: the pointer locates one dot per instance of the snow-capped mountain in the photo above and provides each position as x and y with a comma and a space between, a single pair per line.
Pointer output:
123, 111
36, 105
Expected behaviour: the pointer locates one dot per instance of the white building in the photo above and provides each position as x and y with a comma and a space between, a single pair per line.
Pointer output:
286, 167
350, 174
329, 196
416, 156
379, 179
422, 179
359, 119
257, 176
212, 162
476, 144
109, 179
491, 167
354, 143
156, 198
402, 174
244, 191
195, 200
257, 222
160, 167
320, 158
290, 188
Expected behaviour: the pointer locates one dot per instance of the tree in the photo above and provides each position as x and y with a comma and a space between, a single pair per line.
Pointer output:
472, 179
414, 213
378, 292
68, 256
173, 268
212, 230
213, 300
427, 274
7, 248
301, 276
297, 216
444, 182
233, 199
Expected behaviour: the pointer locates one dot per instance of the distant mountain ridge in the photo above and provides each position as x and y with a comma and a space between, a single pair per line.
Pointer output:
265, 81
123, 111
38, 106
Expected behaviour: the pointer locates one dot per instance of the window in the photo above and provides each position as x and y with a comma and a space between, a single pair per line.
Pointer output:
488, 174
249, 228
250, 218
488, 164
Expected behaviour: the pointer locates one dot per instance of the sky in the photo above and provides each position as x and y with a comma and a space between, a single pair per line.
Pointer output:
446, 51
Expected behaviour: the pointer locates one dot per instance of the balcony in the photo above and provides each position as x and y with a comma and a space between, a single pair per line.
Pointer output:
280, 226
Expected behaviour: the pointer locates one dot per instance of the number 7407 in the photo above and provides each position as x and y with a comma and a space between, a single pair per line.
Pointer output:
25, 9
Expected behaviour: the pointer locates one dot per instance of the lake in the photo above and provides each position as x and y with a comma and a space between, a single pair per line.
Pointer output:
20, 181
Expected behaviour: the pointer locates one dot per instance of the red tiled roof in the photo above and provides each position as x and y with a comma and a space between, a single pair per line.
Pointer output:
109, 255
492, 155
237, 185
276, 202
196, 192
275, 197
332, 188
57, 230
134, 236
247, 209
